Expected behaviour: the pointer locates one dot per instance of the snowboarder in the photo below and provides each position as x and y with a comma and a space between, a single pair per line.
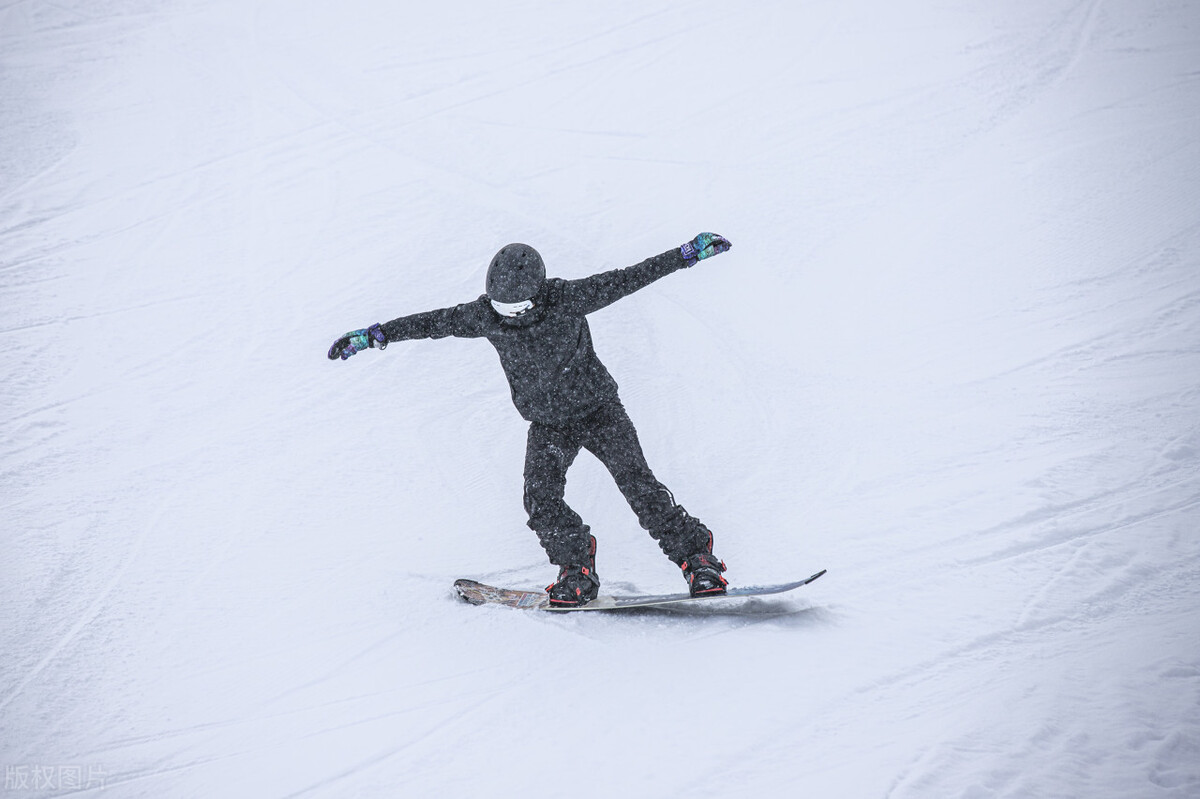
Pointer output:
540, 331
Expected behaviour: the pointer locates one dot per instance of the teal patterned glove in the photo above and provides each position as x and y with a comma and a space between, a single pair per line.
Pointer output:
356, 341
703, 246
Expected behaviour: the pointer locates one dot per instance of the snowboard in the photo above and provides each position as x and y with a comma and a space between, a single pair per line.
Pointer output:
479, 594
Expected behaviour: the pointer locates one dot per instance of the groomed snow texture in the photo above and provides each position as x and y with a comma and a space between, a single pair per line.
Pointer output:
953, 357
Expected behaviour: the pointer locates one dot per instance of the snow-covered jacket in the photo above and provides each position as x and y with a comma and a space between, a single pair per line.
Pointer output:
547, 354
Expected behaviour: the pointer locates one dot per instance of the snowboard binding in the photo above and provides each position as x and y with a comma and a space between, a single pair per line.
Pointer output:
703, 574
577, 584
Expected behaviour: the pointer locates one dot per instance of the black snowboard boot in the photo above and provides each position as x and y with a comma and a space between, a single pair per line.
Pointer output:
578, 583
703, 573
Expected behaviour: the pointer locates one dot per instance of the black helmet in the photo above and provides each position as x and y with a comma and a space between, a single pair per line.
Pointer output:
515, 274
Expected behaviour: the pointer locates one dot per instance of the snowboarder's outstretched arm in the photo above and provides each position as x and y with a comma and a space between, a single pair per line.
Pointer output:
463, 321
597, 291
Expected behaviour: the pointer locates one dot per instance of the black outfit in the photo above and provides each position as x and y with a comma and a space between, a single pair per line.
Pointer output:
569, 398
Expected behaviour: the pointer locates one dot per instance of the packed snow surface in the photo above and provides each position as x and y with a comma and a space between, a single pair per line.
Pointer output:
953, 357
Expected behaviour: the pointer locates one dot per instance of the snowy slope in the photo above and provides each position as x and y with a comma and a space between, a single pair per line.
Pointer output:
953, 357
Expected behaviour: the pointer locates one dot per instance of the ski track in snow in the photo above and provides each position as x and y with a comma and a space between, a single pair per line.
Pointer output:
953, 357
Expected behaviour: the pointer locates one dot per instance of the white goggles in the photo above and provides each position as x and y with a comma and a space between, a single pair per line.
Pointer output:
511, 309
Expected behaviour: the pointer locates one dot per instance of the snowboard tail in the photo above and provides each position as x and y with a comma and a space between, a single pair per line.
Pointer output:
480, 594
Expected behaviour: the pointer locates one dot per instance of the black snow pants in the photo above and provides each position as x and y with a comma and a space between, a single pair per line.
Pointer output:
609, 435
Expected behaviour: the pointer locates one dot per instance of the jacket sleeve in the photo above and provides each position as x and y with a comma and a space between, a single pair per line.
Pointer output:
462, 321
600, 290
